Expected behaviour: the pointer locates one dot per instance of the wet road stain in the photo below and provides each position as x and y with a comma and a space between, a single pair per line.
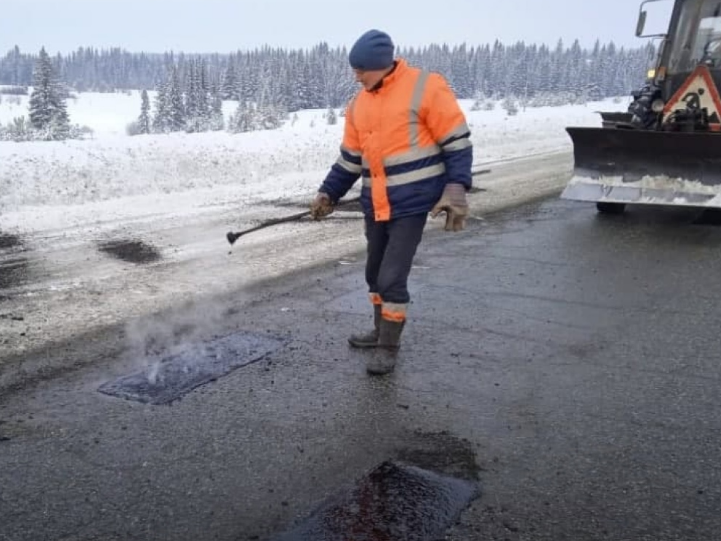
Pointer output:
8, 240
14, 272
441, 452
132, 251
169, 378
393, 502
3, 437
14, 268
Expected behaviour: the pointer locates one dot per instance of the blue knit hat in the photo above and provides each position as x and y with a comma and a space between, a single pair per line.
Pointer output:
372, 51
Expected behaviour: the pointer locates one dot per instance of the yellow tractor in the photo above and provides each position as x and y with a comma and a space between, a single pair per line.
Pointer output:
666, 149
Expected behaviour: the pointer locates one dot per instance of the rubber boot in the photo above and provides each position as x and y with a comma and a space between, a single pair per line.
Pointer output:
383, 359
370, 338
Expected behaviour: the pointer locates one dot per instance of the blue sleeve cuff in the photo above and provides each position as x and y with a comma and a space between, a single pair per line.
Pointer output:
458, 166
338, 182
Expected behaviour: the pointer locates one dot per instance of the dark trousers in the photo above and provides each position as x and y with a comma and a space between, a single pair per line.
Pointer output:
391, 248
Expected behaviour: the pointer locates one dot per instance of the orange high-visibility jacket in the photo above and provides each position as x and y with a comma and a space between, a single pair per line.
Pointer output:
407, 138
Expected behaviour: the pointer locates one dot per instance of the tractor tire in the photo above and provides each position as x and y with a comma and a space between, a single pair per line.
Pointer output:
610, 208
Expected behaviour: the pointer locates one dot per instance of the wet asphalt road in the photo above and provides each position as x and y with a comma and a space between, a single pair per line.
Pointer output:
567, 362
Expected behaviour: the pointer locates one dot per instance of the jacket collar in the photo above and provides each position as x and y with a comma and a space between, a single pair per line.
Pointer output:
399, 67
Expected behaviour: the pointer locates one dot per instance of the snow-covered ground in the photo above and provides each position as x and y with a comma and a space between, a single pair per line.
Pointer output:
57, 184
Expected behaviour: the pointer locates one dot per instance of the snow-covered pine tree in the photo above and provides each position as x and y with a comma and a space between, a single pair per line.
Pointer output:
216, 120
13, 73
314, 78
203, 91
176, 107
197, 103
48, 112
248, 71
496, 76
161, 119
518, 74
229, 89
329, 81
144, 118
243, 120
193, 121
299, 89
575, 73
190, 96
460, 74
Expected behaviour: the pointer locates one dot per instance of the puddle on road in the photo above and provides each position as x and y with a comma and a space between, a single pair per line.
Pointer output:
393, 502
169, 378
132, 251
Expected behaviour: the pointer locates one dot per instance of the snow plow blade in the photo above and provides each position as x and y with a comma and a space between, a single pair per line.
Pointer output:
645, 167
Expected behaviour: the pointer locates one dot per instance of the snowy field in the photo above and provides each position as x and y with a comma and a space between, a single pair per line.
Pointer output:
51, 185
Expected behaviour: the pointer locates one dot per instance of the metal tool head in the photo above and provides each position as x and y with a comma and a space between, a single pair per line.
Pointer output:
232, 237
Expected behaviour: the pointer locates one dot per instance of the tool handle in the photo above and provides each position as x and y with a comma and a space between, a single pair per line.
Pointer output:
273, 221
233, 236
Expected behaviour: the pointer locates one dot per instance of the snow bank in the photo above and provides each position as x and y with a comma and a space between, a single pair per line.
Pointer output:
129, 175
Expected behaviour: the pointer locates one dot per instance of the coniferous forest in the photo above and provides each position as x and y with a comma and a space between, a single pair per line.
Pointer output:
269, 83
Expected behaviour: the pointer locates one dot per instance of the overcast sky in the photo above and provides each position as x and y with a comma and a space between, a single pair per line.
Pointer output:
228, 25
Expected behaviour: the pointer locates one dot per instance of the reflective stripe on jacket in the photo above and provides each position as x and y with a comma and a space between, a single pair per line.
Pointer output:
407, 139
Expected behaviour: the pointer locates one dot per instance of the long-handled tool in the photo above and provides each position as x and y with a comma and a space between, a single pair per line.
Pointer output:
232, 236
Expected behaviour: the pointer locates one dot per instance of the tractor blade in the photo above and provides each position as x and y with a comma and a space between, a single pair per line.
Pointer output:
645, 167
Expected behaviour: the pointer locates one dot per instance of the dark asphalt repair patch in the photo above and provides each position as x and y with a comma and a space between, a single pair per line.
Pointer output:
132, 251
394, 502
171, 377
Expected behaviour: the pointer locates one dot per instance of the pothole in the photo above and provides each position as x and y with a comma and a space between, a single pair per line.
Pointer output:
132, 251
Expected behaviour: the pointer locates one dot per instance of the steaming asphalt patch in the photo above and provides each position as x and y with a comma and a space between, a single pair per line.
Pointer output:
131, 250
393, 501
169, 378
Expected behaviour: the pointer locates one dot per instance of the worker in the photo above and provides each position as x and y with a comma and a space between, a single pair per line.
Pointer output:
406, 135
